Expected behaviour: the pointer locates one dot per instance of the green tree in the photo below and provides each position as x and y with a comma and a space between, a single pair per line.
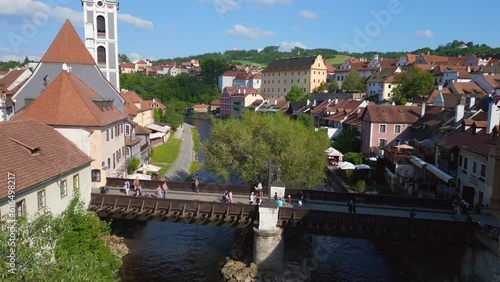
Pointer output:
306, 120
353, 157
123, 58
70, 247
321, 88
361, 186
413, 84
333, 86
298, 149
26, 61
354, 82
211, 69
347, 141
295, 94
133, 165
157, 114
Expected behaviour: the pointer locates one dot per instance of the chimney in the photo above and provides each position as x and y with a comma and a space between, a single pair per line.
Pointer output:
239, 91
422, 110
336, 100
440, 87
472, 102
308, 102
276, 102
329, 100
493, 117
459, 112
28, 101
314, 103
244, 91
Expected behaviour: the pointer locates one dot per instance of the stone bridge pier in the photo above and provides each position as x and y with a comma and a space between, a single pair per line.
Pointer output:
268, 252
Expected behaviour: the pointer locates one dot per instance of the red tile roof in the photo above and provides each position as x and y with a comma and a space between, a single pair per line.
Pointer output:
233, 73
127, 66
68, 48
466, 88
11, 77
67, 101
35, 152
472, 139
391, 114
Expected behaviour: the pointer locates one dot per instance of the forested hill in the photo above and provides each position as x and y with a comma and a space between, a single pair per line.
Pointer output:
270, 53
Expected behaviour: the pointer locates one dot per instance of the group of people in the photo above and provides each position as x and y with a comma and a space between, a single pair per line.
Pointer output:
161, 190
280, 201
227, 197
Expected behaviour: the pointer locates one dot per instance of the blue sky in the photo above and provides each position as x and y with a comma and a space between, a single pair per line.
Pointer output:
171, 28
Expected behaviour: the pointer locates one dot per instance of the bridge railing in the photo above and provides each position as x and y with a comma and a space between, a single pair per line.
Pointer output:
186, 186
374, 199
415, 225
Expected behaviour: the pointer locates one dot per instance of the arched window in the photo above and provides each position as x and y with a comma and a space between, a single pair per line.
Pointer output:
101, 25
101, 55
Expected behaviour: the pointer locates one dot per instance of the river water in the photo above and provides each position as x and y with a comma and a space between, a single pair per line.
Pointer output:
173, 252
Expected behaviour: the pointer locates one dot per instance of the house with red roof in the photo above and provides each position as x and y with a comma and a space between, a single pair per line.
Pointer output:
226, 78
381, 83
331, 114
86, 118
44, 169
139, 110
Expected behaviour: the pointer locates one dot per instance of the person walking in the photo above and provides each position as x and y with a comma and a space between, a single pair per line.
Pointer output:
164, 189
230, 196
299, 203
258, 201
289, 199
136, 183
276, 196
258, 189
250, 198
158, 191
126, 187
280, 202
196, 184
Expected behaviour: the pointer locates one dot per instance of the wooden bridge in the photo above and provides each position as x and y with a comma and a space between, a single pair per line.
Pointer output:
303, 220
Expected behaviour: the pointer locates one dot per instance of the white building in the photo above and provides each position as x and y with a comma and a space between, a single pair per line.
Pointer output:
43, 171
101, 36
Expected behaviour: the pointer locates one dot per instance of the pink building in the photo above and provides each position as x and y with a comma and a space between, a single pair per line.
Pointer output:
384, 125
226, 99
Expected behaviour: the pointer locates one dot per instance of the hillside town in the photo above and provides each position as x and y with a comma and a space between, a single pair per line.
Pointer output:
68, 126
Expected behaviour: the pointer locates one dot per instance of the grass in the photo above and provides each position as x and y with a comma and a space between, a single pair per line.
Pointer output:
195, 165
165, 154
338, 59
248, 63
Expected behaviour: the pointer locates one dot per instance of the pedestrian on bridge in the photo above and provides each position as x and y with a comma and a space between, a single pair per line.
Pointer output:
230, 196
126, 187
164, 189
196, 184
159, 191
250, 198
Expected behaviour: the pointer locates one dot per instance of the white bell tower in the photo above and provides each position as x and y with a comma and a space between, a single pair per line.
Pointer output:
101, 36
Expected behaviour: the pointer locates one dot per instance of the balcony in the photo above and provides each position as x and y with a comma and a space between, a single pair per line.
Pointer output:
395, 155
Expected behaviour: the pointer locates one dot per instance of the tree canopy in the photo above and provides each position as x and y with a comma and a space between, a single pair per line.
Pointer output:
412, 84
347, 141
211, 69
123, 58
70, 247
295, 93
242, 147
354, 82
333, 86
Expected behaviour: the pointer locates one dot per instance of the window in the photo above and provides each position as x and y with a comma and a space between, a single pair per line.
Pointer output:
284, 90
382, 142
474, 166
101, 25
466, 162
304, 80
460, 160
112, 133
397, 128
127, 129
76, 182
389, 86
480, 197
21, 208
63, 187
107, 135
41, 199
483, 170
382, 128
114, 160
101, 55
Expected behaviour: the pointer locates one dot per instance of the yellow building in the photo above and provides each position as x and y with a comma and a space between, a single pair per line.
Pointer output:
280, 75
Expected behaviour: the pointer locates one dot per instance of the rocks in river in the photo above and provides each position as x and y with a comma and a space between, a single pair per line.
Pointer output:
118, 246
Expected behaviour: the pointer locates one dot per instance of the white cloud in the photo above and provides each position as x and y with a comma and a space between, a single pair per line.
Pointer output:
223, 6
248, 32
270, 2
427, 33
4, 49
39, 12
134, 56
308, 15
287, 46
136, 22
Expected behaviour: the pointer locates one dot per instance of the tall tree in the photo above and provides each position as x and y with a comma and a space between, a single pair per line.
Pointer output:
295, 93
322, 87
298, 149
412, 84
354, 82
26, 61
333, 86
347, 141
211, 69
123, 58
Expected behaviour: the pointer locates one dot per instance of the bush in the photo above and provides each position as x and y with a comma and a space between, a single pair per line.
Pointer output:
354, 158
133, 165
361, 186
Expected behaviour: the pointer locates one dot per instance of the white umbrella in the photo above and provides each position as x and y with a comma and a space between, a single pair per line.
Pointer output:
333, 152
346, 165
151, 167
363, 166
139, 176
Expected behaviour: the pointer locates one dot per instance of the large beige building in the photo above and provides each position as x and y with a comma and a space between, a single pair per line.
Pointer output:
280, 75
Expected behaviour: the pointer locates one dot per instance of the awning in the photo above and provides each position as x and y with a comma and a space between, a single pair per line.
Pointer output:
439, 173
418, 162
159, 128
156, 135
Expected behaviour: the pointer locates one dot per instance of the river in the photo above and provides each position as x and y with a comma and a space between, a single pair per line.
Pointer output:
172, 252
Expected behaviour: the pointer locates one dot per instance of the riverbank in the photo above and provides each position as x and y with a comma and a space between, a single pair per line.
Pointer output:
240, 268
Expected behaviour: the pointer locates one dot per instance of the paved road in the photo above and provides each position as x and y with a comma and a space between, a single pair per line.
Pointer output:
333, 206
179, 170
